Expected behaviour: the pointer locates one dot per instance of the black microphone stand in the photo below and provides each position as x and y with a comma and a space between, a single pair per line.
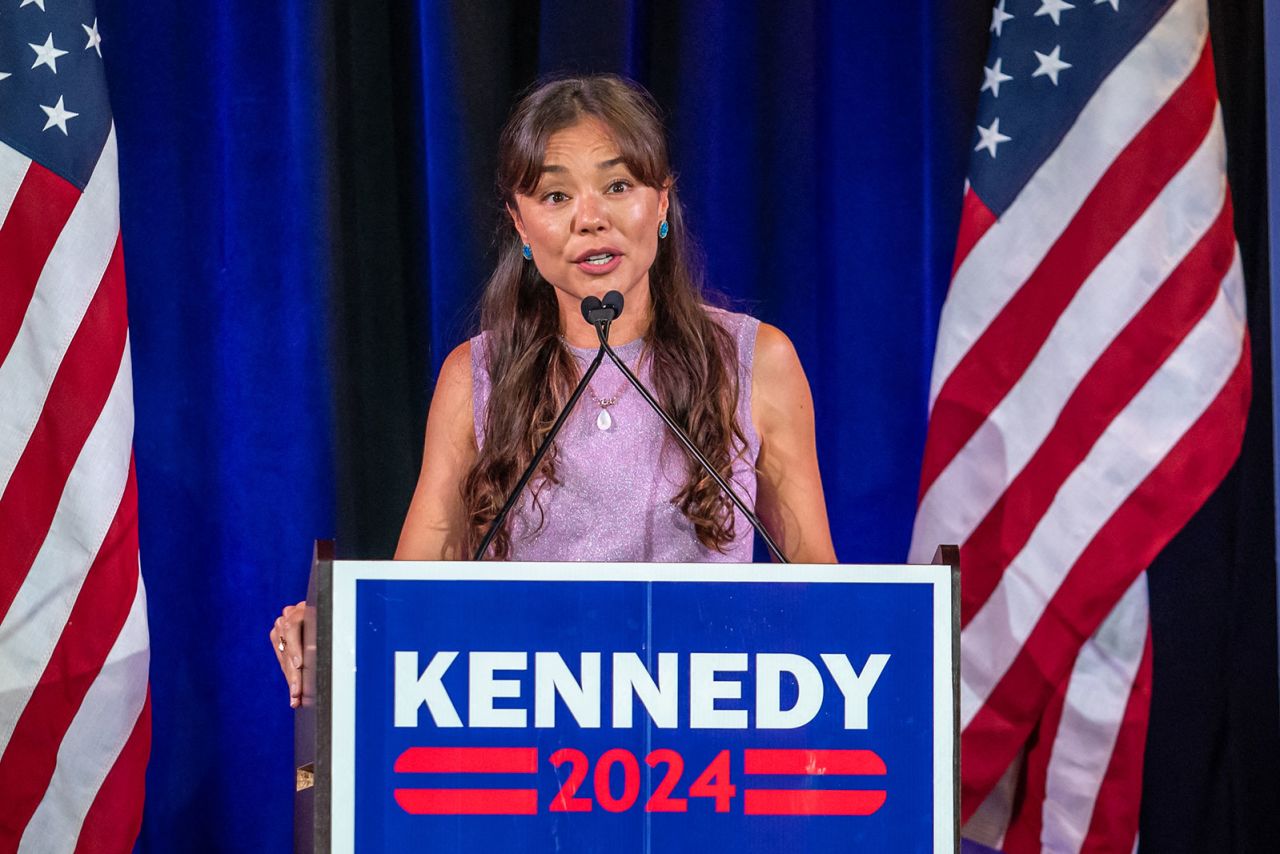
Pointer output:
684, 438
601, 323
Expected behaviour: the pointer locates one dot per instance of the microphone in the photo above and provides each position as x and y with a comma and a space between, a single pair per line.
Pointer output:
613, 300
600, 315
595, 311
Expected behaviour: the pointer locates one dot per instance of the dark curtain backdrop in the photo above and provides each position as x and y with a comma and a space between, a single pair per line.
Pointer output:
308, 214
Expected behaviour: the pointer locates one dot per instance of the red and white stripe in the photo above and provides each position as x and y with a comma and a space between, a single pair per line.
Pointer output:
1090, 388
74, 652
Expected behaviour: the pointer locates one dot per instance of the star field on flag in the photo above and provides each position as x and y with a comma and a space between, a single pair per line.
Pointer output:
53, 92
1043, 66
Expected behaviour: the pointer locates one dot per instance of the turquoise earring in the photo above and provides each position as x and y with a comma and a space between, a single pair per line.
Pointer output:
662, 230
527, 252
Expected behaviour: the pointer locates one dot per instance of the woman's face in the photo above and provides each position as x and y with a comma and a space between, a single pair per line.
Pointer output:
592, 227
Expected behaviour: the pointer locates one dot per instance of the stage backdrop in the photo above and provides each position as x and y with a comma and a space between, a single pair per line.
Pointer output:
308, 213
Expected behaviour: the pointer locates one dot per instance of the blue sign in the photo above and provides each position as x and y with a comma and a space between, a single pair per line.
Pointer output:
614, 708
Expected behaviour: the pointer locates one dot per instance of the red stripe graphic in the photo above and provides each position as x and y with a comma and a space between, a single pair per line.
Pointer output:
99, 613
1001, 354
811, 802
812, 762
468, 801
79, 391
40, 209
1103, 393
1122, 548
454, 760
115, 817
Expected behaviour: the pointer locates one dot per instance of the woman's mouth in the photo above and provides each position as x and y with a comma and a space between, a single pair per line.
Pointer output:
599, 263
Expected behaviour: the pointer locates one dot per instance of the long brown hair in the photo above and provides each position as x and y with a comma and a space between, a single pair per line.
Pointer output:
692, 358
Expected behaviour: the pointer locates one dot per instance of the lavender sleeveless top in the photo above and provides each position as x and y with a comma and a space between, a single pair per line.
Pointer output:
624, 511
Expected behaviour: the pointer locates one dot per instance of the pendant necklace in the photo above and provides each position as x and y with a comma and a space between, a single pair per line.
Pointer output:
604, 420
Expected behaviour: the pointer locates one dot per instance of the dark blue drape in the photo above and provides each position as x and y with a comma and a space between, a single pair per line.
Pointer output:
805, 139
305, 181
218, 116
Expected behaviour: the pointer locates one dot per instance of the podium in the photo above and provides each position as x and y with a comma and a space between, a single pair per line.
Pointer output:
592, 707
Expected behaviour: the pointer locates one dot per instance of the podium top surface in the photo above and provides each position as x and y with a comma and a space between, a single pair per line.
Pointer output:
599, 571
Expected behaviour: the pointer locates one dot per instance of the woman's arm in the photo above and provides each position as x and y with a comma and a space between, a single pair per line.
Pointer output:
435, 526
789, 493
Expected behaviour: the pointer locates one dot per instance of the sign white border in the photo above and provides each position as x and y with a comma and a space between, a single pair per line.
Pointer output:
347, 573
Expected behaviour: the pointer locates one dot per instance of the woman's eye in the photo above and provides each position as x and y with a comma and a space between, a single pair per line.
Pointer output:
555, 197
619, 186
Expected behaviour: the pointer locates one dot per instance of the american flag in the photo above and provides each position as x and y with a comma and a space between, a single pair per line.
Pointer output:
1089, 392
75, 723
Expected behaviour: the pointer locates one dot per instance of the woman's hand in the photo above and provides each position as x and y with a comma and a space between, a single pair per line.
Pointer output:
286, 640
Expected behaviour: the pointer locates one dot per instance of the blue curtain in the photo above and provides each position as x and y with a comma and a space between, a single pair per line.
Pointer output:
805, 136
307, 213
218, 117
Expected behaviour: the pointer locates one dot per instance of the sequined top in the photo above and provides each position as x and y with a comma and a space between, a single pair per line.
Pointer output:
614, 498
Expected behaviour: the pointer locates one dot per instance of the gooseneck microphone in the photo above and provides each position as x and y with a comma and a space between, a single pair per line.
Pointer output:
613, 300
600, 315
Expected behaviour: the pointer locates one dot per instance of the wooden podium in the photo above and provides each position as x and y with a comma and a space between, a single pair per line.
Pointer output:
460, 706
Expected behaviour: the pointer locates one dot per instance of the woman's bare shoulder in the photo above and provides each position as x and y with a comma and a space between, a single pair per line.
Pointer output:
775, 355
455, 373
450, 418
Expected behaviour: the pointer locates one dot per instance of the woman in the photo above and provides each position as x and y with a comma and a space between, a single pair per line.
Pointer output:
592, 207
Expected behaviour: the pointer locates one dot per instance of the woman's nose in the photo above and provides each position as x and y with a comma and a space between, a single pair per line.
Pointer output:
591, 214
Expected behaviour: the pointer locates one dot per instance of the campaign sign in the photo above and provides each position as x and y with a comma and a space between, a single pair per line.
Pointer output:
632, 707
